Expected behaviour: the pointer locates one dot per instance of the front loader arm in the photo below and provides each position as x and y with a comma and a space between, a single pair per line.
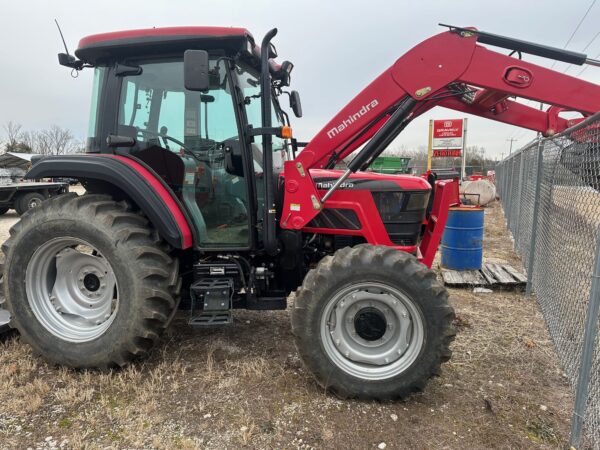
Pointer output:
452, 70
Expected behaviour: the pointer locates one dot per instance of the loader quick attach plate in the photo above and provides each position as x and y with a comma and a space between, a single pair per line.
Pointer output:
211, 301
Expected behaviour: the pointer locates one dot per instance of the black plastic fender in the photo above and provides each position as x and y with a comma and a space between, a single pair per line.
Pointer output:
136, 180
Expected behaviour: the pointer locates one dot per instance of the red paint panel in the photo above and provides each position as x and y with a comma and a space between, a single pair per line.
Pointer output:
446, 195
404, 182
372, 227
166, 32
182, 224
492, 70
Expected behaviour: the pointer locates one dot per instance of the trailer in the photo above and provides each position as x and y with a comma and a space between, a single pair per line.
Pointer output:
22, 196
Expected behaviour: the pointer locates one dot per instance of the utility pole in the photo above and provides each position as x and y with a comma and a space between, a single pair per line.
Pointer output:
511, 141
463, 171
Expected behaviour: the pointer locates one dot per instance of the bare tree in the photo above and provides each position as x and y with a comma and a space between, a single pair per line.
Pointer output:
56, 141
28, 142
13, 134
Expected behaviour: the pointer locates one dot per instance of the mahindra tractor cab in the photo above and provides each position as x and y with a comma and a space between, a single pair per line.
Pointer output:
196, 190
185, 106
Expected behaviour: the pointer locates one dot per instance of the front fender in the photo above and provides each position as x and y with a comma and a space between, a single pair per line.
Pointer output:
154, 198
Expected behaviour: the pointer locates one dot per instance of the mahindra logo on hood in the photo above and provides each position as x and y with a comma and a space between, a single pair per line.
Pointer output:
333, 132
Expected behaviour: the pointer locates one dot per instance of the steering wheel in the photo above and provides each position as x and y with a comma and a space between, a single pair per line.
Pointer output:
164, 137
164, 133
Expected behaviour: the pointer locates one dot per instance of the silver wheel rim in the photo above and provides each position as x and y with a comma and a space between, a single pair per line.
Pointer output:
391, 350
34, 203
71, 289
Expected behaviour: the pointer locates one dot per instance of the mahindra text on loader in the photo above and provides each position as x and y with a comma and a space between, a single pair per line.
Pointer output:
195, 188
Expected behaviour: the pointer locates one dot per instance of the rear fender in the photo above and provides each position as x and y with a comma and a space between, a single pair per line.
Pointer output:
138, 182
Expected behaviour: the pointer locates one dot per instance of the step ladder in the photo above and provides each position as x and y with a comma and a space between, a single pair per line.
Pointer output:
211, 302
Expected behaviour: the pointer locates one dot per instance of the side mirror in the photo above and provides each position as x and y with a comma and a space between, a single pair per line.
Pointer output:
295, 103
233, 158
64, 59
195, 70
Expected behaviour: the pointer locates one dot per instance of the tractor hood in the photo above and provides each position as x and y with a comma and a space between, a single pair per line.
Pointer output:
372, 181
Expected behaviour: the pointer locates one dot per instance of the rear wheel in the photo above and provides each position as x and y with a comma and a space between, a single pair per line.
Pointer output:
28, 201
372, 322
88, 282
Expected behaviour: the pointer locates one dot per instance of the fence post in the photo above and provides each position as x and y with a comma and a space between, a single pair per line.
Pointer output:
534, 219
509, 190
587, 352
519, 194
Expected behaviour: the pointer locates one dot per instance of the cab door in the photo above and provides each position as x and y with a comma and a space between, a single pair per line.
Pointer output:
197, 128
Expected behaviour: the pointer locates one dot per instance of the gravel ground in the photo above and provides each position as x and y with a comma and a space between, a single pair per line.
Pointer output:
243, 386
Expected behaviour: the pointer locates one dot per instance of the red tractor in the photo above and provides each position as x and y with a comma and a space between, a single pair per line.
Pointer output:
197, 190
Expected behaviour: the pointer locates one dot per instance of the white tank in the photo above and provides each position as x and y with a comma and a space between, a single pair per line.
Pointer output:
475, 192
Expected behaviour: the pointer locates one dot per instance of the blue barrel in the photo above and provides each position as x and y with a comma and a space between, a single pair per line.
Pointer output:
462, 242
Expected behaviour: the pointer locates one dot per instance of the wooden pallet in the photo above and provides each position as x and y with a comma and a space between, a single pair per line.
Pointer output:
490, 275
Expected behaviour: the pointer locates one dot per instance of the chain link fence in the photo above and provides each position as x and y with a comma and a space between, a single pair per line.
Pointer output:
550, 192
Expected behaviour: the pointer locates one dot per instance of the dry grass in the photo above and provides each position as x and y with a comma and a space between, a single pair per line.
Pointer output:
244, 386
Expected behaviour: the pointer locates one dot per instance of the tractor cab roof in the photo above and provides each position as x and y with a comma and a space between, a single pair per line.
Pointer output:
156, 41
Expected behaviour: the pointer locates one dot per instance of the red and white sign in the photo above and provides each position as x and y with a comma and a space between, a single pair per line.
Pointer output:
446, 153
447, 139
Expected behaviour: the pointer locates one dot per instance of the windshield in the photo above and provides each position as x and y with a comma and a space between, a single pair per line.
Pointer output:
249, 82
155, 109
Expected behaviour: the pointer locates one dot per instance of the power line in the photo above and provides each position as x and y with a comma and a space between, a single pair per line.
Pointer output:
576, 28
520, 133
586, 67
584, 49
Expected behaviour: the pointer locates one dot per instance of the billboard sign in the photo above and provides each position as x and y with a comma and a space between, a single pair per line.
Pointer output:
447, 139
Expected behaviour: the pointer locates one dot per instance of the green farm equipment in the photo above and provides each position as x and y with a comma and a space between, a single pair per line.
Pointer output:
390, 164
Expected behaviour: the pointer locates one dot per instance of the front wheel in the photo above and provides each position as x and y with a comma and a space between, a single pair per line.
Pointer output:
372, 322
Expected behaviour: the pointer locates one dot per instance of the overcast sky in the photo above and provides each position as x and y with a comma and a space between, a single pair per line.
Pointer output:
337, 48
